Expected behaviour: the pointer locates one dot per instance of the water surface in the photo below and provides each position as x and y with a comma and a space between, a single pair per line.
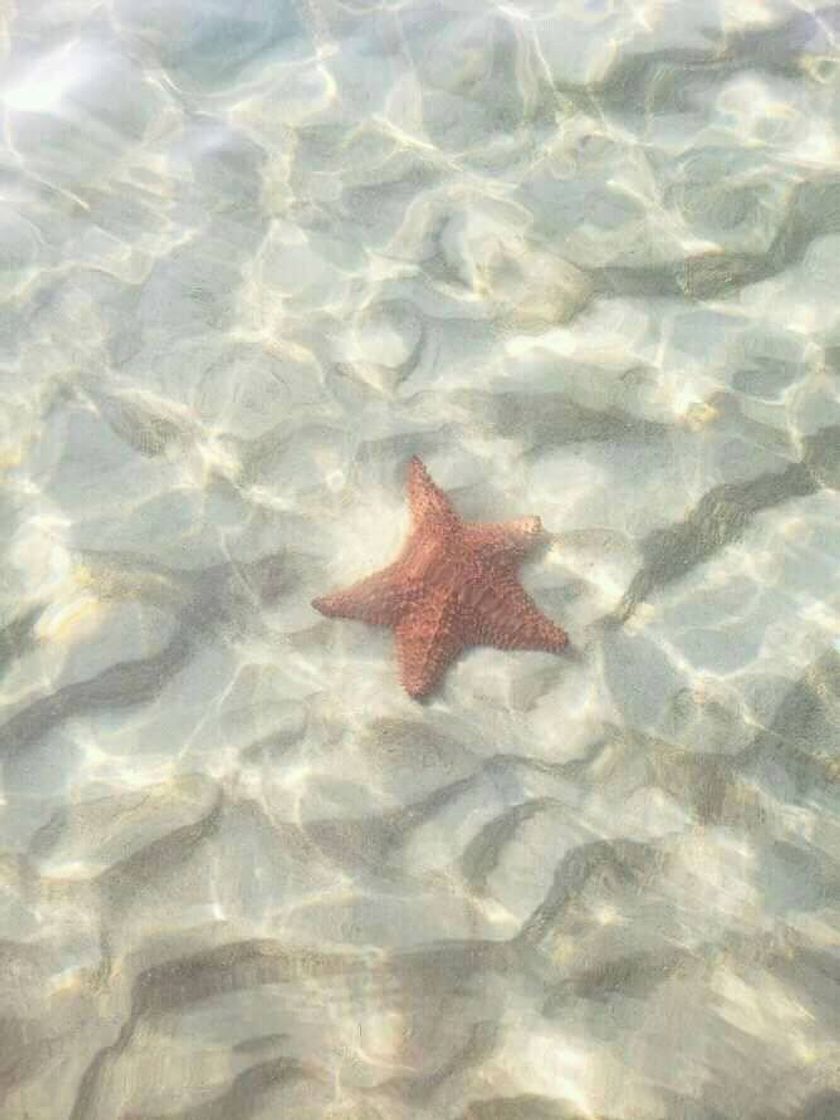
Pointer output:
584, 259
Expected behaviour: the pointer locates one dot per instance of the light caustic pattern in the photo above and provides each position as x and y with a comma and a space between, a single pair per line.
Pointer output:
582, 259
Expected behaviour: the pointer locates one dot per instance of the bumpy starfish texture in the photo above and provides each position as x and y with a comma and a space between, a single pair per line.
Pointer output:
453, 585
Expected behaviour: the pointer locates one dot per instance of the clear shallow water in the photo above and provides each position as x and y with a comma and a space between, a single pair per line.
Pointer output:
584, 259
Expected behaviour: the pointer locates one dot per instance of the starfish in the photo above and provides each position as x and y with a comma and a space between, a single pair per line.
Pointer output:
453, 585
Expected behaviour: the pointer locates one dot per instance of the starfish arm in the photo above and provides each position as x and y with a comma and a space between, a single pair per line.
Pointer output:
425, 499
427, 642
499, 612
511, 539
379, 599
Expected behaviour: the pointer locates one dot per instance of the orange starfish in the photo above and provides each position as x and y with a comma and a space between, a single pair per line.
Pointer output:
453, 585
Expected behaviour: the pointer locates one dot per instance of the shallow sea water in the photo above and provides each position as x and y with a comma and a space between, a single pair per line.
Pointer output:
584, 259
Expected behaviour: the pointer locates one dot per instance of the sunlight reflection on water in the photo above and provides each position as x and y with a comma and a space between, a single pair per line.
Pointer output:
580, 257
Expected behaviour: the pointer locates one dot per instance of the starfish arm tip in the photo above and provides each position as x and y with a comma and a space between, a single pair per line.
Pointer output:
417, 469
332, 605
420, 685
547, 635
424, 496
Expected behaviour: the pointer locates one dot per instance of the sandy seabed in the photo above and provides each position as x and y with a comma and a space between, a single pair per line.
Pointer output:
584, 259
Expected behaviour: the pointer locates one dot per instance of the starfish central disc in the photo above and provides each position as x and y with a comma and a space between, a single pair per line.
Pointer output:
453, 585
